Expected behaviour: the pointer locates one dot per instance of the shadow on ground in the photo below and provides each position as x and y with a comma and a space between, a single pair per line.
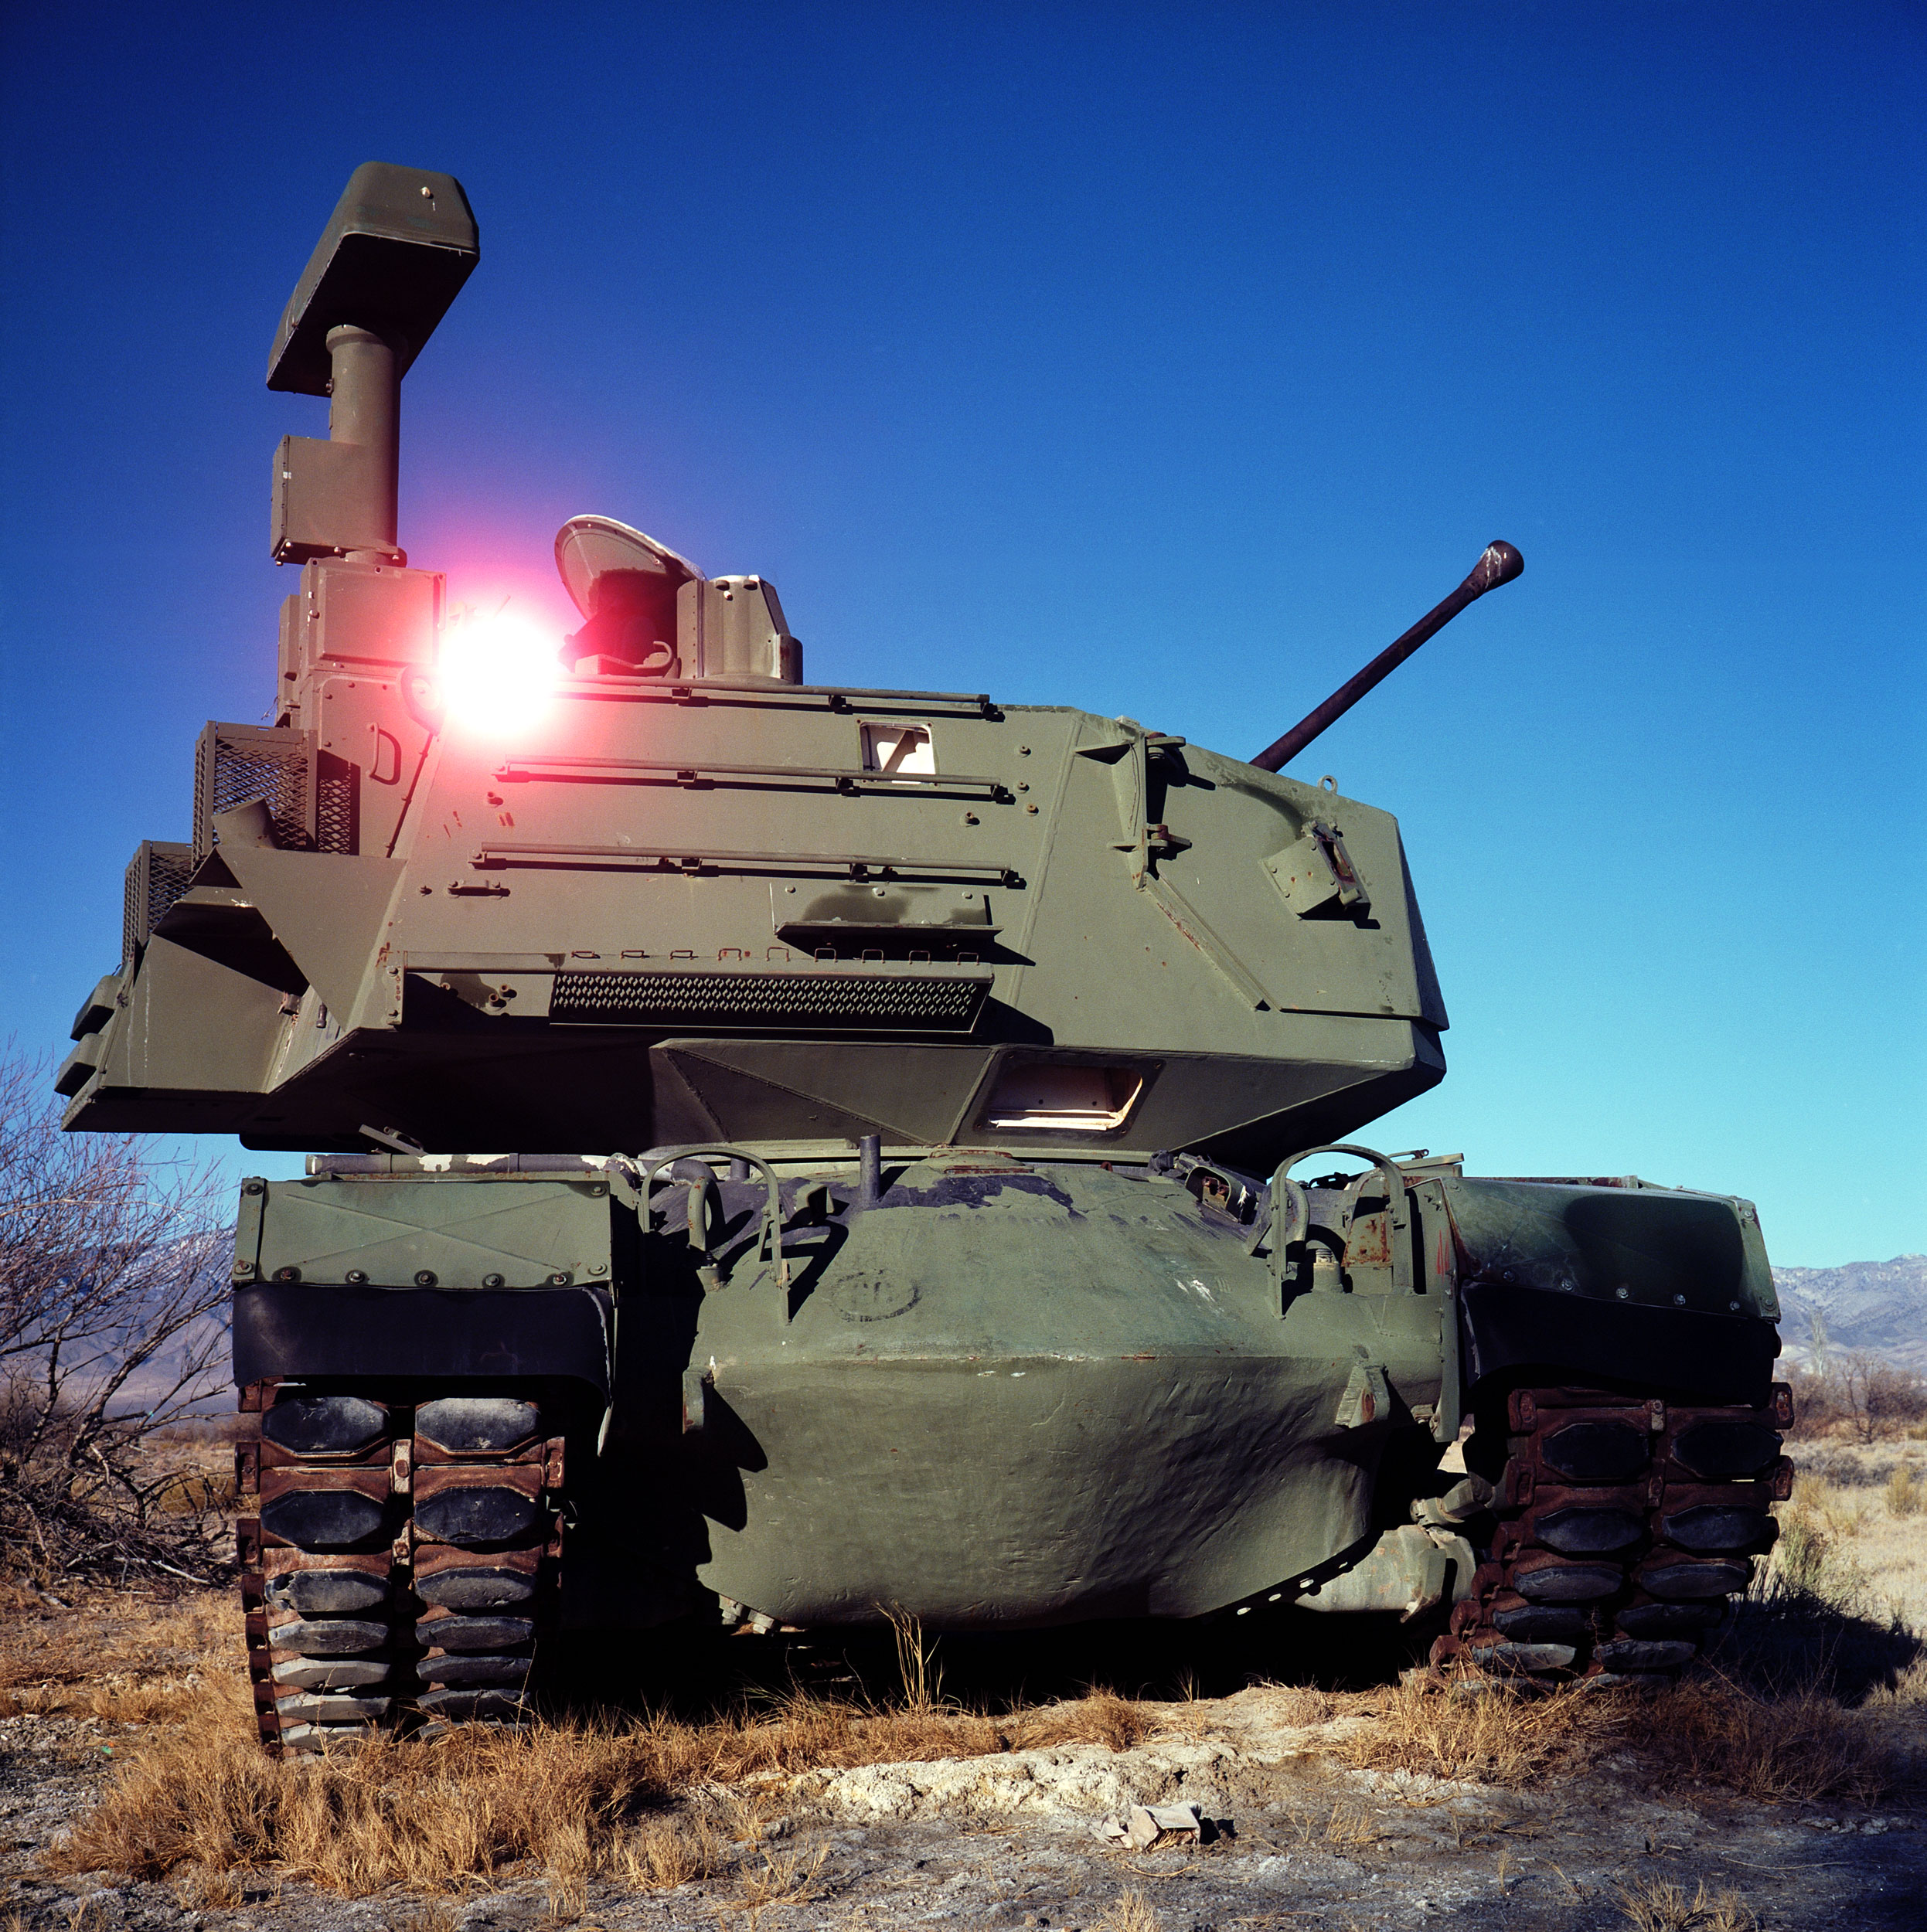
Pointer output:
1783, 1638
694, 1673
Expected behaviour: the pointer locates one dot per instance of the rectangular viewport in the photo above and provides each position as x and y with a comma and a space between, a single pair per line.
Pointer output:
899, 748
1047, 1097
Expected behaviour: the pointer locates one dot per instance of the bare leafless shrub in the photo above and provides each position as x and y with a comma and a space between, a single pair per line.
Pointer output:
1816, 1409
1859, 1394
111, 1298
1896, 1397
1877, 1397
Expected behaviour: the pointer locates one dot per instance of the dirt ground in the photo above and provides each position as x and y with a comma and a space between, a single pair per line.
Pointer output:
1329, 1817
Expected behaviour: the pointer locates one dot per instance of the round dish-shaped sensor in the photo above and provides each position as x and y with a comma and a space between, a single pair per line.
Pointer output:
601, 560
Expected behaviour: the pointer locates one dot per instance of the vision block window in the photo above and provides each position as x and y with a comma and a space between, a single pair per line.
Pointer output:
904, 748
1073, 1100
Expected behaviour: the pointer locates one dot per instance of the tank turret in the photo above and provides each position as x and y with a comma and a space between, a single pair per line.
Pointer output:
658, 889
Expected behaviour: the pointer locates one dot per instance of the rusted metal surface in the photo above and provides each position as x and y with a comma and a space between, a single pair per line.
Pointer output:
1622, 1530
399, 1579
1498, 564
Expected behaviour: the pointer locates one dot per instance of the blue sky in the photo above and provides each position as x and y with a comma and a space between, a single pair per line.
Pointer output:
1162, 360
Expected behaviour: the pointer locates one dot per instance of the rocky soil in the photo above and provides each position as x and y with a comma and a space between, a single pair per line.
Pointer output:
1008, 1841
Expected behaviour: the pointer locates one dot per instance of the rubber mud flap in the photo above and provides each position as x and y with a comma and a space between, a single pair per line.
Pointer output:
466, 1516
324, 1425
309, 1329
324, 1519
497, 1672
328, 1592
1588, 1532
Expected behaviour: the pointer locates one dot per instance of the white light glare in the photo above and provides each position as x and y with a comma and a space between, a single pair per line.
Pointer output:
498, 673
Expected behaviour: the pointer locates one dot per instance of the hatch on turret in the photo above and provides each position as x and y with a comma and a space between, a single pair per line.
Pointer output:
652, 613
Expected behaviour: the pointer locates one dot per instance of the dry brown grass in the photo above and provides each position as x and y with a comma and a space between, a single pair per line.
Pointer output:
435, 1916
784, 1878
1490, 1739
1301, 1707
1798, 1745
1655, 1905
193, 1798
196, 1492
574, 1799
1130, 1911
97, 1661
1840, 1512
1344, 1828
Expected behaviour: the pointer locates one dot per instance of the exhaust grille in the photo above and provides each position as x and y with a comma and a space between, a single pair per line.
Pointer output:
892, 1002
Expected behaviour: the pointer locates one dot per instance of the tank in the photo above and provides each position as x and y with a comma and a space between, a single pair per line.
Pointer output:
924, 1180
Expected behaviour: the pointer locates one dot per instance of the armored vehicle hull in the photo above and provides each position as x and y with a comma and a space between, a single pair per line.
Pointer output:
988, 1390
914, 1098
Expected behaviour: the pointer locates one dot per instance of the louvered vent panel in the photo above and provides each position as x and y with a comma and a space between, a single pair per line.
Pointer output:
903, 1004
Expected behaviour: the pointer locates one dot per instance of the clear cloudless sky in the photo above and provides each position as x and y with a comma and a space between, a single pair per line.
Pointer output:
1162, 359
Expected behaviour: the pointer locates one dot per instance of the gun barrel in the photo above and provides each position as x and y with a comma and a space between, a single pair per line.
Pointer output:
1499, 563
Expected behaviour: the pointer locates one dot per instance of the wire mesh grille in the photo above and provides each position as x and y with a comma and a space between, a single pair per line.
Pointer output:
237, 764
337, 797
156, 876
905, 1004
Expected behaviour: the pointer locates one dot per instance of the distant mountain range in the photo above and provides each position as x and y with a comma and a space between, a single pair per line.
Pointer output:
1877, 1305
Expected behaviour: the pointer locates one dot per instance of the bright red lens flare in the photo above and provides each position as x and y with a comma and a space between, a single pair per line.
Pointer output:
498, 673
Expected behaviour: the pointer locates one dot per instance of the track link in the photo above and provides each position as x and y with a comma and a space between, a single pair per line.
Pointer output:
1623, 1530
402, 1564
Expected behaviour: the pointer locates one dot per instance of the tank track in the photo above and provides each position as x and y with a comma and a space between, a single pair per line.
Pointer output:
1623, 1530
403, 1565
